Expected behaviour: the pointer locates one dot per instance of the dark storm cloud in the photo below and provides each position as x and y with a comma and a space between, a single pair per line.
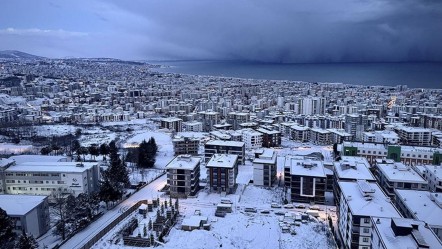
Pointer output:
257, 30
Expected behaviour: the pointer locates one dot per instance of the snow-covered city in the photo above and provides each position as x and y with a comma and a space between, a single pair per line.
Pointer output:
220, 124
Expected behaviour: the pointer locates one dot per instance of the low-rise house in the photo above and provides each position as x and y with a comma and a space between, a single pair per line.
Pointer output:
29, 213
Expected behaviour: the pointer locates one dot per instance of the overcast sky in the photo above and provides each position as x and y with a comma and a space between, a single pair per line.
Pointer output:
256, 30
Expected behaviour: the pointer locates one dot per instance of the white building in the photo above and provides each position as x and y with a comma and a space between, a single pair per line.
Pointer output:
194, 126
28, 213
383, 136
300, 133
395, 175
402, 233
46, 178
264, 167
421, 205
252, 139
414, 135
359, 202
433, 175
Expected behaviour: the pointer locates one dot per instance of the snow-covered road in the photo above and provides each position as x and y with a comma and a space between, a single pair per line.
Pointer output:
147, 193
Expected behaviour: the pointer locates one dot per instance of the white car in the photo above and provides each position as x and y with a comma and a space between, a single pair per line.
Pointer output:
275, 205
288, 206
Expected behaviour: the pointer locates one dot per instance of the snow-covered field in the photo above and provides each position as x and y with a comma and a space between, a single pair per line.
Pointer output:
238, 229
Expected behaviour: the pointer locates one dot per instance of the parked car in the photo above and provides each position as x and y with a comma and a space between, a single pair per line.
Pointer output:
220, 214
250, 210
288, 206
302, 206
265, 211
275, 205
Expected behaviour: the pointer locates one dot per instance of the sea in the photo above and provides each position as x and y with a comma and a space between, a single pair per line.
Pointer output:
413, 75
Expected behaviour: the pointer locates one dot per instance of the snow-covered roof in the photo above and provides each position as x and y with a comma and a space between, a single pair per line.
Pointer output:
222, 161
300, 128
268, 156
374, 203
5, 161
421, 205
399, 172
171, 119
185, 162
37, 158
436, 170
353, 168
270, 132
20, 204
68, 167
193, 221
390, 240
225, 143
304, 167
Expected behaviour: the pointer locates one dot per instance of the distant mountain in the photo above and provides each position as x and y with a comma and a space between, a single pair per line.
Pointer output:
14, 54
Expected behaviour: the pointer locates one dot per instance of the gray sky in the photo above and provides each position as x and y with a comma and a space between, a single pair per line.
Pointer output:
257, 30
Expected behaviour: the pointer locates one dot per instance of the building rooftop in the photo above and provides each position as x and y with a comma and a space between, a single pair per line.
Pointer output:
68, 167
302, 166
37, 158
353, 168
300, 127
271, 132
367, 199
424, 205
418, 233
399, 172
20, 204
267, 156
225, 143
185, 162
222, 161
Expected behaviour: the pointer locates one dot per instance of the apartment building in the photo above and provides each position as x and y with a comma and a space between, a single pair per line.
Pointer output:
402, 233
209, 119
414, 136
359, 202
172, 123
306, 179
270, 138
433, 175
48, 178
300, 133
29, 213
264, 167
184, 145
225, 147
409, 155
356, 124
393, 175
222, 170
384, 136
320, 136
338, 136
252, 139
193, 126
183, 174
421, 205
350, 169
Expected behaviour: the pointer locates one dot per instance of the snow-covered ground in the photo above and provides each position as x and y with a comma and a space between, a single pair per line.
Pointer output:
238, 229
163, 140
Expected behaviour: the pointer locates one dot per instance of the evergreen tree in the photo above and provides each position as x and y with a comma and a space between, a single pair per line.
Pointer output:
75, 146
6, 234
60, 213
104, 150
45, 150
26, 242
93, 150
151, 151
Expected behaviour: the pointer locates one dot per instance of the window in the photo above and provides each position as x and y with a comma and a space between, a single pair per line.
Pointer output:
366, 220
365, 240
366, 230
